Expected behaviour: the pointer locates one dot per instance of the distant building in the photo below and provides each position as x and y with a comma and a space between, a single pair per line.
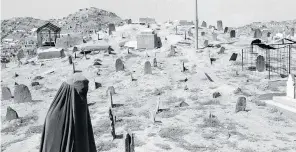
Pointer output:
184, 23
47, 35
147, 20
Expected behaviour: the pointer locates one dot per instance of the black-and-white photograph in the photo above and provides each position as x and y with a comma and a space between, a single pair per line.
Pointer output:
148, 76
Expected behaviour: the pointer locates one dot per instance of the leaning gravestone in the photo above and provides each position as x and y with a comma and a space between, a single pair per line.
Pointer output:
260, 63
204, 24
257, 33
6, 93
147, 68
219, 25
11, 114
206, 43
241, 104
232, 34
119, 65
22, 94
203, 33
225, 29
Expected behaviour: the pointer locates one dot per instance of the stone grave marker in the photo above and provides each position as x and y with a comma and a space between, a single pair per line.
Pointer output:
260, 63
22, 94
119, 65
6, 93
11, 114
257, 33
225, 29
232, 34
215, 35
241, 104
292, 32
110, 90
220, 25
154, 62
233, 57
206, 43
204, 24
147, 68
203, 33
222, 50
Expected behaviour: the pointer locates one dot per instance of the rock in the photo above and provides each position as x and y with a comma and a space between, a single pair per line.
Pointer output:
97, 63
216, 94
35, 84
218, 45
6, 93
70, 59
221, 50
183, 104
119, 65
16, 75
11, 114
147, 68
22, 94
241, 104
97, 85
110, 90
38, 78
237, 91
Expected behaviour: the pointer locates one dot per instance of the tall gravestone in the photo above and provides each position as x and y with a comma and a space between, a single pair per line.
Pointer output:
111, 28
292, 32
6, 93
154, 62
291, 87
225, 29
232, 34
119, 65
22, 94
257, 33
260, 63
204, 24
206, 43
219, 25
147, 68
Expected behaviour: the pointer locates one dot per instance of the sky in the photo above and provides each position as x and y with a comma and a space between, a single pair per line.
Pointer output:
231, 12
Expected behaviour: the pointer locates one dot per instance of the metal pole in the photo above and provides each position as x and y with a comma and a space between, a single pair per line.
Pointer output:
196, 24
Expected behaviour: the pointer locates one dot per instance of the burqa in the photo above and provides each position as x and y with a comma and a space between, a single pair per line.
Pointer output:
67, 126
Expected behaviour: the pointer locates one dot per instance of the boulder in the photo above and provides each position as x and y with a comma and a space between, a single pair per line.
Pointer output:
110, 90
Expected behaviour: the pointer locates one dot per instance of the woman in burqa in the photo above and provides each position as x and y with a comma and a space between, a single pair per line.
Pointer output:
67, 126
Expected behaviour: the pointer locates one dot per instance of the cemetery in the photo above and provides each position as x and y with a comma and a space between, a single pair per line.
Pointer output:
152, 87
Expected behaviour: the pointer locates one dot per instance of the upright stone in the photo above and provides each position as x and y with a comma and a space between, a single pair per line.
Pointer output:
154, 62
70, 59
268, 34
147, 68
6, 93
206, 43
110, 90
204, 24
241, 104
232, 34
119, 65
22, 94
291, 87
225, 29
257, 33
75, 49
215, 35
111, 28
292, 32
219, 25
222, 50
260, 63
203, 33
11, 114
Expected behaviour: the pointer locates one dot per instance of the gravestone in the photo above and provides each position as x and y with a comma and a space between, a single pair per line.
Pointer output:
257, 33
97, 85
203, 33
154, 62
222, 49
22, 94
232, 34
291, 87
75, 49
147, 68
225, 29
268, 34
233, 57
3, 65
11, 114
183, 104
111, 28
129, 143
241, 104
119, 65
110, 90
219, 25
6, 93
206, 43
215, 35
70, 60
204, 24
260, 63
292, 32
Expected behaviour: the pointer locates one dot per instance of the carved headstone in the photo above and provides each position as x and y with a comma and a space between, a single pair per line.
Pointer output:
204, 24
112, 124
220, 25
257, 33
232, 34
6, 93
22, 94
225, 29
119, 65
233, 57
260, 63
147, 68
291, 87
11, 114
241, 104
